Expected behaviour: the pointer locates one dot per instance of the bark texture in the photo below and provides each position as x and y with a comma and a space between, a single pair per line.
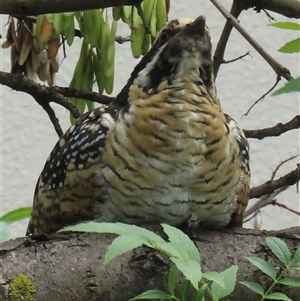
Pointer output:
68, 266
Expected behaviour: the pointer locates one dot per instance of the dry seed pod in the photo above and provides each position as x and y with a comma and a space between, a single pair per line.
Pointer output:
46, 30
53, 46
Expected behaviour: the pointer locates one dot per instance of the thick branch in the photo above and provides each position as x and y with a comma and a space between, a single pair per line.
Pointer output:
270, 186
276, 130
33, 7
288, 8
40, 93
68, 267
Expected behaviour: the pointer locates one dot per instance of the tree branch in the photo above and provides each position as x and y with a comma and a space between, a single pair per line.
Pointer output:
288, 8
263, 96
40, 93
70, 265
276, 66
221, 46
72, 92
33, 7
53, 118
276, 130
270, 186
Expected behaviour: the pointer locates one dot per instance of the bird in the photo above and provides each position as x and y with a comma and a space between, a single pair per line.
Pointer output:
162, 152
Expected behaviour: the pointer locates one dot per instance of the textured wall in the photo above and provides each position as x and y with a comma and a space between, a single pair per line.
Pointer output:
27, 136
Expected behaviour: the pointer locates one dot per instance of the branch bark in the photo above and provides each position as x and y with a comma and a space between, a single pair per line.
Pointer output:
33, 7
288, 8
68, 267
276, 130
42, 94
270, 186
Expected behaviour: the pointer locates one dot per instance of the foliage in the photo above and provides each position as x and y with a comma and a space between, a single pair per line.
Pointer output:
185, 256
290, 47
11, 217
288, 263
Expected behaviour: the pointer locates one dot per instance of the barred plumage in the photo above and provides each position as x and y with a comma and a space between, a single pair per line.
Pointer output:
164, 153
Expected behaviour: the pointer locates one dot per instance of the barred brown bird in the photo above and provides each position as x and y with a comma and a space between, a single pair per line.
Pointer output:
168, 154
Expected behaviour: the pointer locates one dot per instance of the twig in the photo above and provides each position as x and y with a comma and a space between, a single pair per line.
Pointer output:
270, 186
142, 15
122, 40
276, 130
269, 16
276, 66
251, 217
264, 201
263, 96
285, 207
52, 117
280, 164
236, 59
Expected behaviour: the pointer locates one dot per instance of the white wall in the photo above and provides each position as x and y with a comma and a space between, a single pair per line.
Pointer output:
27, 135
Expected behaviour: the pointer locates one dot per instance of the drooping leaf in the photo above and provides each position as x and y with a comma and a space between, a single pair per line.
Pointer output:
291, 47
16, 215
291, 86
286, 25
278, 296
253, 286
229, 278
152, 294
122, 244
280, 249
264, 266
177, 236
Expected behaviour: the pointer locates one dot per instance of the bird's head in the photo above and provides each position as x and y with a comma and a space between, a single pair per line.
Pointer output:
186, 56
168, 31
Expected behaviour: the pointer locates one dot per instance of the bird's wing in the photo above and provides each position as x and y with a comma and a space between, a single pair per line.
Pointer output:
67, 186
242, 194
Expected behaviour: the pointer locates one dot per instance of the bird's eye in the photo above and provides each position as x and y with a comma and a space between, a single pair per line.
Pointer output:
164, 36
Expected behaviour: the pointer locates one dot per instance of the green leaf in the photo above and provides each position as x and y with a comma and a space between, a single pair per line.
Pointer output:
278, 296
114, 228
280, 249
286, 25
184, 290
16, 215
229, 278
171, 280
153, 294
291, 86
170, 250
200, 294
295, 261
291, 47
4, 232
191, 270
215, 277
291, 281
121, 245
255, 287
177, 236
264, 266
